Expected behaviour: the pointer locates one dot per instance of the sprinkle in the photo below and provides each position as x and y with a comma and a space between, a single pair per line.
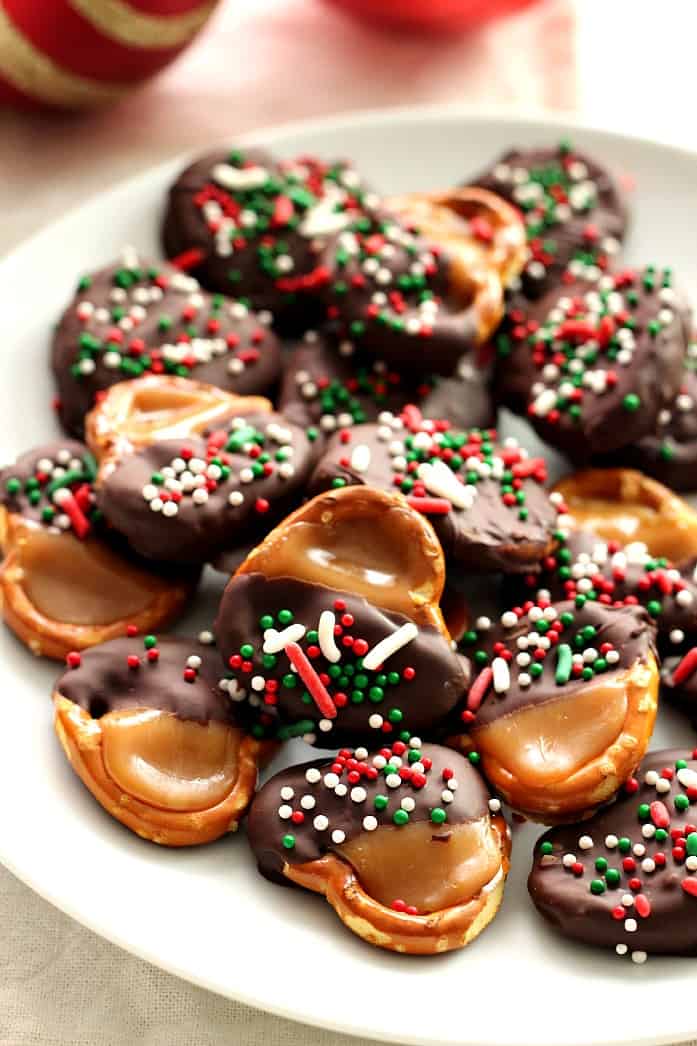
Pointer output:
275, 641
563, 670
370, 823
325, 635
442, 481
500, 675
313, 775
338, 836
389, 646
320, 823
686, 668
360, 458
315, 686
479, 689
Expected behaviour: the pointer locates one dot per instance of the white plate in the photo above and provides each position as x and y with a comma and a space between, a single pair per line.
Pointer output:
205, 914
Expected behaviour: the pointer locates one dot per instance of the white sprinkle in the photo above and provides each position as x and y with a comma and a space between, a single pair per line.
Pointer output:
331, 780
687, 777
585, 842
320, 823
639, 958
235, 498
408, 803
325, 725
360, 458
447, 796
630, 925
501, 675
611, 841
358, 795
393, 780
389, 646
308, 802
206, 637
312, 775
370, 823
284, 812
494, 805
340, 789
287, 792
509, 619
237, 178
442, 481
169, 508
275, 641
684, 598
568, 860
621, 949
375, 722
338, 836
325, 635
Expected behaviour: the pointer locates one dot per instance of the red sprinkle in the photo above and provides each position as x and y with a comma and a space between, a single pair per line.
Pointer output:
686, 668
430, 506
188, 260
316, 689
73, 659
479, 689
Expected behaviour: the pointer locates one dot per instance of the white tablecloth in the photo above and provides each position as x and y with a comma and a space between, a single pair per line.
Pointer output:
264, 62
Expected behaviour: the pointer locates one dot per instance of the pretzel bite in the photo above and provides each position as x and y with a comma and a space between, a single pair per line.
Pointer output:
483, 231
189, 500
65, 585
585, 567
406, 301
564, 705
627, 878
136, 317
153, 737
595, 361
625, 506
404, 843
331, 629
333, 386
133, 414
574, 212
486, 500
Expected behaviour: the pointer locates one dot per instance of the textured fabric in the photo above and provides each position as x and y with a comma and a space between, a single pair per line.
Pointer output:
61, 985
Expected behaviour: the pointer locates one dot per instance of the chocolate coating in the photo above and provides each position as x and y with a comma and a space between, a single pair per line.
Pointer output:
572, 207
429, 678
262, 463
334, 386
498, 528
617, 575
104, 682
266, 828
663, 913
137, 317
593, 364
261, 224
626, 629
670, 453
393, 294
28, 490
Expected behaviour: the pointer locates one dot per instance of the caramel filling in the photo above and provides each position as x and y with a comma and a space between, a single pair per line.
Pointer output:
167, 762
168, 412
675, 538
80, 582
429, 866
543, 744
361, 559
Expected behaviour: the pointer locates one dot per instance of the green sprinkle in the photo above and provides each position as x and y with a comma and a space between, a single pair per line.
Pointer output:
288, 841
247, 650
597, 886
631, 402
400, 817
285, 617
438, 815
380, 802
563, 672
546, 849
149, 642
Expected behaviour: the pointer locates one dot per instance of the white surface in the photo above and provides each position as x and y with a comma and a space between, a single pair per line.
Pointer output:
205, 914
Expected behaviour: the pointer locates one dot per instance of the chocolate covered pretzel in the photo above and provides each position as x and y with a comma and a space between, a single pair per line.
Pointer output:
331, 628
152, 735
138, 317
403, 842
66, 584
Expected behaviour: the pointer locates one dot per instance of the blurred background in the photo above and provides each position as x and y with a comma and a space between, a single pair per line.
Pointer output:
622, 64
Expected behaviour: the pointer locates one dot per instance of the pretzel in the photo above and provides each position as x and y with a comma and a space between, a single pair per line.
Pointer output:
556, 743
399, 931
626, 506
481, 230
414, 864
133, 414
64, 585
343, 598
363, 532
170, 778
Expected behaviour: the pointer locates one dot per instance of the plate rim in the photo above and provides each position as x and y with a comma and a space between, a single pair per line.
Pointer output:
534, 117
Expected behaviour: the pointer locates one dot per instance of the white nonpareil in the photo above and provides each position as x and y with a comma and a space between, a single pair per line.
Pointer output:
442, 481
